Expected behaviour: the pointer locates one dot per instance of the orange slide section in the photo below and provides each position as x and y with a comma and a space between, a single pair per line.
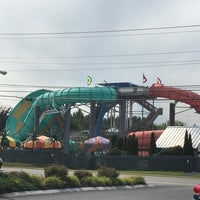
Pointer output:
185, 96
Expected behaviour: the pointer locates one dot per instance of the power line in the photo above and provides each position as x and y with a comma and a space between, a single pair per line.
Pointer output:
104, 68
105, 63
100, 56
96, 36
101, 31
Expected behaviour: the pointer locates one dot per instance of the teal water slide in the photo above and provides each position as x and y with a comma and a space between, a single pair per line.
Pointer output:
20, 123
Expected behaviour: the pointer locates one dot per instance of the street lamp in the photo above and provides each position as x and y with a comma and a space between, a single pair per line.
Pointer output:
3, 72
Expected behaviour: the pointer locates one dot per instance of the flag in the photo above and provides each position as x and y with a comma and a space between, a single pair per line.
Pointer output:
89, 80
105, 82
158, 81
144, 79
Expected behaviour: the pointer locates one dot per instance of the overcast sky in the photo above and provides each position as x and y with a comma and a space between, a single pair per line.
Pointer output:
61, 42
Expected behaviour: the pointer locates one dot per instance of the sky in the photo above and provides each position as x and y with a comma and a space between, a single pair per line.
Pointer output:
58, 43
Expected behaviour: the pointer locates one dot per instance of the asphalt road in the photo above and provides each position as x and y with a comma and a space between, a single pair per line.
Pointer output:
159, 188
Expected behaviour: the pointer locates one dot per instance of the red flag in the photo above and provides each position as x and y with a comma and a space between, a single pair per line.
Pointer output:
159, 81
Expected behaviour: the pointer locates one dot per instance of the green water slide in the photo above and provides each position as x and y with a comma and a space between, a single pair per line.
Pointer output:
20, 123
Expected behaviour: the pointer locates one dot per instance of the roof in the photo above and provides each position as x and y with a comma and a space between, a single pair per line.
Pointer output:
175, 136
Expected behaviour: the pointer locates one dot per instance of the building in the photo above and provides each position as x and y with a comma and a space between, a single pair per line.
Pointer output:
175, 136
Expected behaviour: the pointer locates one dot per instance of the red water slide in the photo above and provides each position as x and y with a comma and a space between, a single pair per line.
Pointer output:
185, 96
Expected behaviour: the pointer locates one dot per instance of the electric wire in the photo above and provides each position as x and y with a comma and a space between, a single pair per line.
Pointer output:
101, 56
101, 31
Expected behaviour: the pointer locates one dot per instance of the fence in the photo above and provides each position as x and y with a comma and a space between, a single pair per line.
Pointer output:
158, 163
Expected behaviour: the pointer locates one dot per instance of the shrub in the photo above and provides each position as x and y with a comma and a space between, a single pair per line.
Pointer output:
139, 180
80, 174
115, 151
3, 175
93, 181
24, 185
108, 172
59, 171
177, 150
37, 181
7, 185
53, 182
20, 174
133, 181
72, 181
116, 181
14, 182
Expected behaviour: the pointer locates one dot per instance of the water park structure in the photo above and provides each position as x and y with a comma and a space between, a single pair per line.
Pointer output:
43, 109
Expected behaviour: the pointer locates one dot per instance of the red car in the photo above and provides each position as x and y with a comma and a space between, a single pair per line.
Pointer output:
196, 190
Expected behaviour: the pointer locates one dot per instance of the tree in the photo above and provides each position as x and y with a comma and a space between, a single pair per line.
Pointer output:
187, 147
130, 144
135, 145
165, 124
77, 121
153, 148
190, 146
4, 113
186, 144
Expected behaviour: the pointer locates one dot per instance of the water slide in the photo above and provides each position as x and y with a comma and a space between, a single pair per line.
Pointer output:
20, 123
184, 96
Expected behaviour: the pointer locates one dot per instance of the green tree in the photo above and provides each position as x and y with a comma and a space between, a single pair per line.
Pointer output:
187, 147
129, 144
190, 146
113, 141
135, 145
4, 113
153, 148
165, 124
77, 120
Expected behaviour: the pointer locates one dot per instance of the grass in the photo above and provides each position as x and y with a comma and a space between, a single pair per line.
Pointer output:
25, 165
122, 172
162, 173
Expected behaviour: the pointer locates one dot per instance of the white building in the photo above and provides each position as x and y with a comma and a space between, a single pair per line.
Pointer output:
175, 135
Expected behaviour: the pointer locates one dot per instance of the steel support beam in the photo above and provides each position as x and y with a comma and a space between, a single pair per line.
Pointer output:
67, 130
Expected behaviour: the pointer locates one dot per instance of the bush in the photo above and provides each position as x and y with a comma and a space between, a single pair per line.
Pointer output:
14, 182
53, 182
94, 181
139, 180
23, 185
108, 172
133, 181
7, 185
59, 171
21, 174
80, 174
115, 151
116, 181
37, 181
177, 150
72, 181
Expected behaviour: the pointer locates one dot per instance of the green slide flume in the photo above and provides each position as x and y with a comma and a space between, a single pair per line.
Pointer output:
20, 123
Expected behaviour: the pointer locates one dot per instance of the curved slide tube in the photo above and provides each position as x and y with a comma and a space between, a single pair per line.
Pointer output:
20, 123
184, 96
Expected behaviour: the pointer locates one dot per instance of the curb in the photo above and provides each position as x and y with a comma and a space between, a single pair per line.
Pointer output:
81, 189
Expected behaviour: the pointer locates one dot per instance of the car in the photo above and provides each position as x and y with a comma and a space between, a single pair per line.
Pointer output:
196, 192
